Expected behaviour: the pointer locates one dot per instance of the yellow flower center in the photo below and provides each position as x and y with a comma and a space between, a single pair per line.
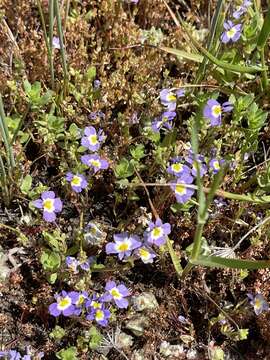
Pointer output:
257, 304
64, 303
177, 167
76, 181
123, 247
157, 232
216, 165
115, 293
93, 139
171, 97
144, 253
95, 163
180, 189
96, 305
48, 205
80, 300
231, 32
216, 110
99, 315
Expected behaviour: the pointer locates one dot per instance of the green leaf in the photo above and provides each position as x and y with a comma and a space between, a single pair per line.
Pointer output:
91, 73
220, 262
58, 333
50, 260
95, 338
67, 354
26, 184
124, 169
137, 152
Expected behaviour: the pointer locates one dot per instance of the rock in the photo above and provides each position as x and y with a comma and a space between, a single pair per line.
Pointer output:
192, 354
138, 355
137, 324
123, 340
145, 301
171, 351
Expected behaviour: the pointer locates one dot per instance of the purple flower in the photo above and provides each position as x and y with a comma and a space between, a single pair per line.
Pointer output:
79, 300
97, 84
215, 165
72, 263
94, 161
165, 120
259, 303
94, 303
92, 139
146, 254
178, 169
192, 163
11, 355
157, 232
123, 245
232, 32
182, 193
180, 93
64, 304
117, 294
78, 181
101, 316
56, 42
50, 205
242, 9
168, 99
213, 111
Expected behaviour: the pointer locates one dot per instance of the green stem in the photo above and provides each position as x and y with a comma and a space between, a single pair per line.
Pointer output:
51, 25
174, 257
264, 73
3, 178
5, 136
49, 50
61, 41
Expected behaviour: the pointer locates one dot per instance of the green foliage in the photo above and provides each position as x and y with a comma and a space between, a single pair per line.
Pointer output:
57, 333
68, 354
26, 184
95, 338
34, 95
124, 169
51, 128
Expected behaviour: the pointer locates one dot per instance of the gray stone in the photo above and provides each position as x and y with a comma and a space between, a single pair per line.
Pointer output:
145, 301
137, 324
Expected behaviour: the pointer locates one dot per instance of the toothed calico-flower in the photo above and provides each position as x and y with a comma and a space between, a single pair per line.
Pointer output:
117, 293
165, 120
177, 168
101, 316
92, 139
146, 254
182, 193
157, 232
123, 245
64, 304
232, 32
213, 111
50, 205
95, 162
77, 182
215, 165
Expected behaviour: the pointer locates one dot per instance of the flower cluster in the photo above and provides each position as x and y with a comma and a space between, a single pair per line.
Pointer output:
76, 303
185, 170
126, 245
242, 9
15, 355
73, 264
92, 141
168, 99
213, 111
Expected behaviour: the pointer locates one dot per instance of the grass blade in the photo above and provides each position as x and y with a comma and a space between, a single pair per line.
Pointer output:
5, 136
220, 262
189, 56
265, 32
